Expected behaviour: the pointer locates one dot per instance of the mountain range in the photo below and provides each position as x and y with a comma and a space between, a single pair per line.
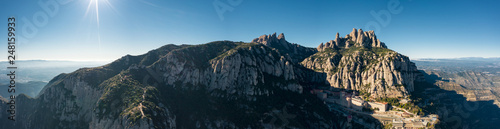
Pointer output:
222, 84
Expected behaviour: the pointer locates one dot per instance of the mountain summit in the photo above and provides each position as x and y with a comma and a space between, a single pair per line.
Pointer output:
359, 61
357, 38
272, 40
295, 51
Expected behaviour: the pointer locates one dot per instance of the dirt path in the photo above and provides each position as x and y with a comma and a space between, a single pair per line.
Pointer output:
140, 104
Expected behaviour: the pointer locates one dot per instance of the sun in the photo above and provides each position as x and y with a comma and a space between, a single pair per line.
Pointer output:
96, 3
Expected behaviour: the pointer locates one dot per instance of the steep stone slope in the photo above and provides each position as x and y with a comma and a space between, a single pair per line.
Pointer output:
359, 61
71, 98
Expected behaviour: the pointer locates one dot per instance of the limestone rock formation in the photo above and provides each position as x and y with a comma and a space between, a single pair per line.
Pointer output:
295, 51
361, 62
357, 38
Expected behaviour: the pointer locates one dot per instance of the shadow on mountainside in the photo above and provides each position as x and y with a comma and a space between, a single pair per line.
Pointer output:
453, 109
311, 79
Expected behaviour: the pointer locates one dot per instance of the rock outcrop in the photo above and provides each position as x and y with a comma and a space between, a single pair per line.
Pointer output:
357, 38
240, 67
361, 62
295, 51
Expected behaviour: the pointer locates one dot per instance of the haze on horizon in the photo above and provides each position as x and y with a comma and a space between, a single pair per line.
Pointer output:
418, 29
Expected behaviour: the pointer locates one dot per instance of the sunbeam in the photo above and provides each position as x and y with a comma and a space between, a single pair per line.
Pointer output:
96, 3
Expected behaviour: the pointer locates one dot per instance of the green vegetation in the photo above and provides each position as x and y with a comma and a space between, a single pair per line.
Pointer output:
351, 43
198, 56
322, 56
372, 50
123, 92
352, 50
334, 70
411, 107
399, 85
328, 50
153, 55
197, 103
371, 55
235, 49
319, 69
390, 101
364, 92
388, 126
370, 110
381, 51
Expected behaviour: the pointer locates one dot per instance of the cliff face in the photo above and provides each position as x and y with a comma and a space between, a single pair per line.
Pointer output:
359, 61
235, 70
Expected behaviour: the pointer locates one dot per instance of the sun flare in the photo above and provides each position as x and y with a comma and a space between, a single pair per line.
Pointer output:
96, 3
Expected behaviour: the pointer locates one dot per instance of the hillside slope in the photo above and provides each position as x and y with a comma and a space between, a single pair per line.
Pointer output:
359, 61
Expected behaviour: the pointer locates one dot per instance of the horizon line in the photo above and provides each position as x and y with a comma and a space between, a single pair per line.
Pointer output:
62, 60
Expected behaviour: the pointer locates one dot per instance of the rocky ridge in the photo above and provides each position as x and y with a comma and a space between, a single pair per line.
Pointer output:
295, 51
357, 38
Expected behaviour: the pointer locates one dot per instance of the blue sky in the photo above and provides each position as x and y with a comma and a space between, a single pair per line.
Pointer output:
418, 29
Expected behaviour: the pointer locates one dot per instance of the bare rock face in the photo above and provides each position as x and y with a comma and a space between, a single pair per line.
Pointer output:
364, 64
357, 38
236, 72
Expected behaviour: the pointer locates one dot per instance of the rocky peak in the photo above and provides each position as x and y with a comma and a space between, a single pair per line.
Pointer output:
281, 36
297, 52
273, 41
359, 61
357, 38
